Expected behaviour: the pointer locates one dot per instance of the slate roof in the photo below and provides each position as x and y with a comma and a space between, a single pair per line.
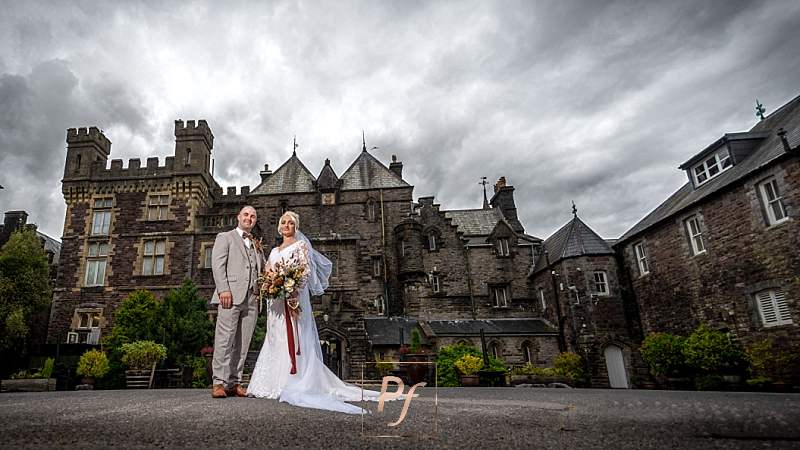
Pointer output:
292, 176
366, 172
475, 222
573, 239
51, 245
491, 327
386, 330
327, 178
771, 148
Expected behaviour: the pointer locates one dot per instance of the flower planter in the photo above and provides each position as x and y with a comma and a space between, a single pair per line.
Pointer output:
137, 379
492, 378
28, 385
470, 380
416, 372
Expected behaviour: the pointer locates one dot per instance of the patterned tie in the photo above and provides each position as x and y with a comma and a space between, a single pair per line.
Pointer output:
247, 235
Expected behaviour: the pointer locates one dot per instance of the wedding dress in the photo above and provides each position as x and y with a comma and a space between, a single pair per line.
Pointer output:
313, 385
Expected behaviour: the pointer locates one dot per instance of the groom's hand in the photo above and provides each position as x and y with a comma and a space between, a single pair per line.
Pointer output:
226, 299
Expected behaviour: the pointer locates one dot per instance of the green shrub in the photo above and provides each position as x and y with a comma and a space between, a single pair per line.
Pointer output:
664, 354
530, 369
47, 369
186, 325
469, 364
199, 372
768, 364
141, 355
709, 382
711, 351
416, 341
93, 364
383, 366
447, 375
569, 365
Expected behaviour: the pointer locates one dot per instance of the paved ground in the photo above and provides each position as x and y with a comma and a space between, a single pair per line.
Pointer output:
461, 418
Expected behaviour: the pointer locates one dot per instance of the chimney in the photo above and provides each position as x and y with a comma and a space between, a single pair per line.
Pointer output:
265, 173
503, 199
396, 167
786, 147
14, 221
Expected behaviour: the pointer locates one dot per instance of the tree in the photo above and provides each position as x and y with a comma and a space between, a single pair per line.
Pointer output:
138, 318
187, 328
25, 294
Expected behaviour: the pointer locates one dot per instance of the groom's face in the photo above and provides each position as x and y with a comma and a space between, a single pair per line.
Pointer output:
247, 219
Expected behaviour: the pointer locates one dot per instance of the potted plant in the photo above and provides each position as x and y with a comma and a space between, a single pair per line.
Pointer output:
468, 365
26, 381
141, 358
415, 354
92, 366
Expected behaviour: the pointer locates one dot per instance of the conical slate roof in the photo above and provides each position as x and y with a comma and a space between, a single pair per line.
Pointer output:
573, 239
366, 172
292, 176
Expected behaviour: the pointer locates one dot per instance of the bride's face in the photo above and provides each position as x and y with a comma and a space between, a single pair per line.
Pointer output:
287, 226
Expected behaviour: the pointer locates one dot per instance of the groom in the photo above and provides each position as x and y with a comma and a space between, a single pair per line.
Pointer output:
236, 263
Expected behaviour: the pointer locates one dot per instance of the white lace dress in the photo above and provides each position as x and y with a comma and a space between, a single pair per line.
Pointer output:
314, 385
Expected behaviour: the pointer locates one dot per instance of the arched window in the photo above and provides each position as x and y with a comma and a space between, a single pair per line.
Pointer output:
372, 213
188, 156
494, 350
78, 162
528, 355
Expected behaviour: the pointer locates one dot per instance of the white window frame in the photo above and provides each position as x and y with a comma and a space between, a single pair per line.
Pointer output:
772, 200
72, 337
101, 222
502, 247
772, 307
695, 234
641, 258
158, 207
154, 256
601, 285
499, 301
435, 284
717, 163
96, 261
432, 241
207, 251
527, 352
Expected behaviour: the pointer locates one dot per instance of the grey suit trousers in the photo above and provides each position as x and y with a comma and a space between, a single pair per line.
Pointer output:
232, 340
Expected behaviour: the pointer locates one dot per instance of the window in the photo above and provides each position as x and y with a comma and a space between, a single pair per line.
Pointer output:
500, 296
773, 201
695, 235
379, 304
435, 284
773, 308
402, 248
88, 319
188, 156
711, 166
371, 210
96, 264
502, 247
157, 207
432, 241
600, 283
78, 162
494, 350
101, 217
542, 300
153, 261
641, 258
207, 257
333, 256
527, 352
377, 266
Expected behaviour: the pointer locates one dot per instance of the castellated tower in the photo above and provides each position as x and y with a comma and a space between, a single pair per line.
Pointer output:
193, 144
86, 148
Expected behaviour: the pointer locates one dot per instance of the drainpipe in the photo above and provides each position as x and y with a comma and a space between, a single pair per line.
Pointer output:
469, 281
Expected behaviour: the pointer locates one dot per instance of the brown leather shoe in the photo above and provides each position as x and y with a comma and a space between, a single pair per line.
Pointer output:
237, 390
218, 391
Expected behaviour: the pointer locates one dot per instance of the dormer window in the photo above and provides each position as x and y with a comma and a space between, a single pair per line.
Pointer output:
711, 166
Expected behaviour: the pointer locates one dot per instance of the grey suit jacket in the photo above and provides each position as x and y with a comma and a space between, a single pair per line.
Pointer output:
231, 266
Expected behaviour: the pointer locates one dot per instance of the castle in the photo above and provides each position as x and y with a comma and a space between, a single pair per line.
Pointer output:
469, 275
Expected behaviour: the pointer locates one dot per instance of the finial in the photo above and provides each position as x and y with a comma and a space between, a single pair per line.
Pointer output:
294, 147
760, 110
485, 201
574, 209
363, 142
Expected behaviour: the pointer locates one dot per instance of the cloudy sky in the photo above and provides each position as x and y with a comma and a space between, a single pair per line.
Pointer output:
596, 102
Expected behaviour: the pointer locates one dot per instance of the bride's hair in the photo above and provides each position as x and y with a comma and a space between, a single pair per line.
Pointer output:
295, 218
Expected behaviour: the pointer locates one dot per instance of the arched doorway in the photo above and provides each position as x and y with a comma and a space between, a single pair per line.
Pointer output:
334, 347
615, 364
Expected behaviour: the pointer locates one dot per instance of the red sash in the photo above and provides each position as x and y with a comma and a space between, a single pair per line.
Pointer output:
290, 335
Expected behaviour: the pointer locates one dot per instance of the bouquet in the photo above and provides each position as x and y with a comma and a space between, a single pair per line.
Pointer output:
282, 280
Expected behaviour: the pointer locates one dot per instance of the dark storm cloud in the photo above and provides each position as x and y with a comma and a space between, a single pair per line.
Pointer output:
596, 102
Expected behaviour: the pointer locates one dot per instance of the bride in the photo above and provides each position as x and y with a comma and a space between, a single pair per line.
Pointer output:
289, 366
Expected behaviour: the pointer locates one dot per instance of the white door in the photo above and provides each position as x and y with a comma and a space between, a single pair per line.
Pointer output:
616, 367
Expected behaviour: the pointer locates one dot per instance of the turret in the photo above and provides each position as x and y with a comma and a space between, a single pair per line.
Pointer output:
408, 241
85, 148
193, 144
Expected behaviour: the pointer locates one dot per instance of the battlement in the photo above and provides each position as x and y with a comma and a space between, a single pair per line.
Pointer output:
192, 130
91, 135
230, 195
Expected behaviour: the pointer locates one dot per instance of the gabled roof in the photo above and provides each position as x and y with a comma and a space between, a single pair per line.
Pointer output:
366, 172
292, 176
573, 239
770, 148
327, 178
51, 245
491, 327
475, 222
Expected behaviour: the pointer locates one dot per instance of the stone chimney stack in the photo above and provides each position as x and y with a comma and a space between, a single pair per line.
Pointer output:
504, 200
396, 167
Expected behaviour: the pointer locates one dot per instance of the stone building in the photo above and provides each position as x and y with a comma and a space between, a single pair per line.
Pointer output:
448, 274
723, 249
